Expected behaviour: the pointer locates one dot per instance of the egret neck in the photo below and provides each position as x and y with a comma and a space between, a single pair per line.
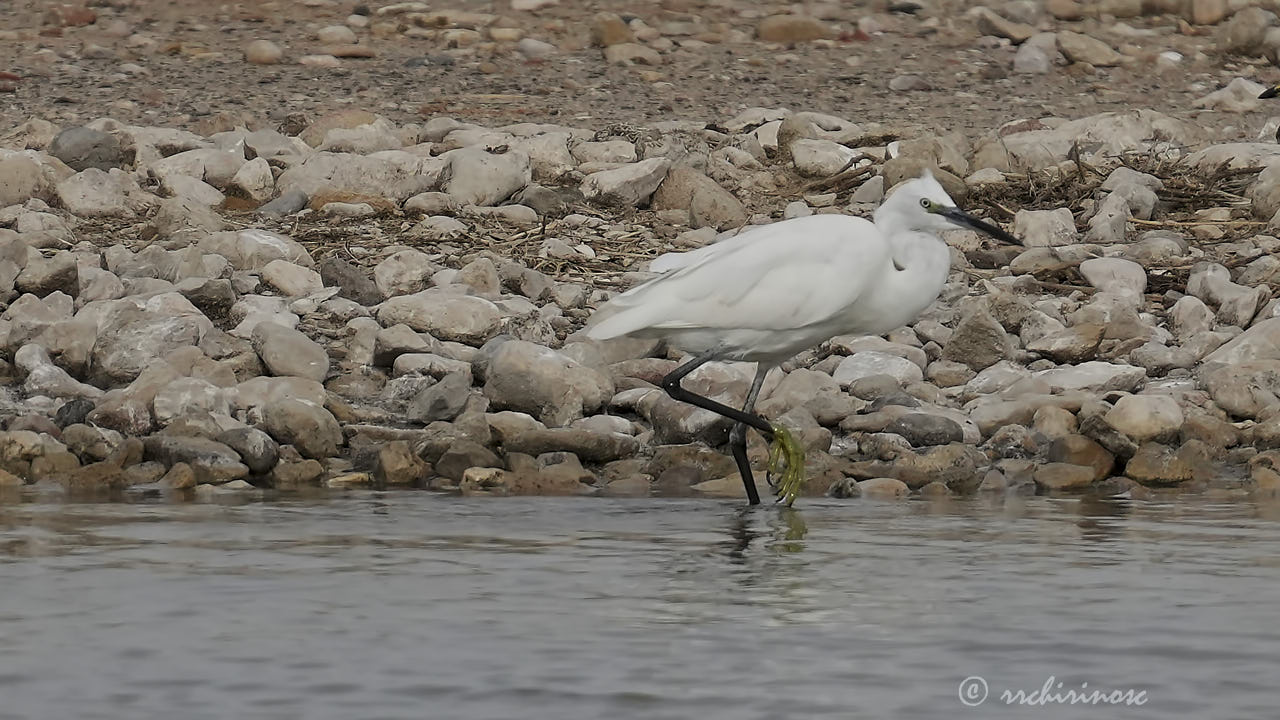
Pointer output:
921, 263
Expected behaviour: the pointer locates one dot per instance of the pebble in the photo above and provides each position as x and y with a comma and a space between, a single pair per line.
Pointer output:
263, 52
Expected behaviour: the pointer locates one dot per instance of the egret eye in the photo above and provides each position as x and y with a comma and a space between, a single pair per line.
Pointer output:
926, 203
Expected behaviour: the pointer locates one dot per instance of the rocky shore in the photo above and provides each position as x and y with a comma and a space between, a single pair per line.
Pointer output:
340, 299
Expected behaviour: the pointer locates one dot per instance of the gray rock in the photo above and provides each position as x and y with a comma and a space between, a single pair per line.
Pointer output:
214, 298
256, 448
1108, 224
1084, 49
291, 280
1245, 32
869, 363
286, 351
474, 176
392, 342
991, 23
1259, 343
253, 181
1116, 275
131, 340
1045, 228
352, 282
1236, 304
820, 157
288, 203
1146, 417
542, 382
627, 186
1074, 344
979, 341
82, 148
95, 193
43, 276
1247, 389
708, 204
923, 429
444, 400
310, 428
403, 273
180, 219
211, 461
253, 248
188, 395
460, 318
45, 378
1093, 375
189, 189
393, 174
1037, 55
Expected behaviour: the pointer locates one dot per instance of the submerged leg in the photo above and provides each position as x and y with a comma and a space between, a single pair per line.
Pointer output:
786, 455
738, 436
743, 418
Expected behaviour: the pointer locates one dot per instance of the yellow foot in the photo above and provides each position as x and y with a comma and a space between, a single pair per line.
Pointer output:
786, 464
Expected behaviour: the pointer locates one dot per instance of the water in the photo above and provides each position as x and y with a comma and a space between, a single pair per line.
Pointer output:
412, 605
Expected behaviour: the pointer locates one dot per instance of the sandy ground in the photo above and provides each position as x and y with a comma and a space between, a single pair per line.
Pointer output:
194, 67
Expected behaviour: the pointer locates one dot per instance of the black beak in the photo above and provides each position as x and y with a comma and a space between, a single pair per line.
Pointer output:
1270, 92
963, 219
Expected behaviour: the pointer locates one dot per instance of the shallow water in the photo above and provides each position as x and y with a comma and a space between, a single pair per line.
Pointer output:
411, 605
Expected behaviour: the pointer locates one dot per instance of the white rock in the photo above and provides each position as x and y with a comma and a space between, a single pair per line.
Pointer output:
460, 318
608, 151
393, 174
1045, 228
476, 177
1093, 375
1145, 417
185, 186
1116, 275
820, 158
1240, 95
254, 181
404, 272
629, 185
868, 363
94, 193
291, 280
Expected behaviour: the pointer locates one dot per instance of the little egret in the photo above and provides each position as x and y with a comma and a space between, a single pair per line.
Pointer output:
774, 290
1270, 92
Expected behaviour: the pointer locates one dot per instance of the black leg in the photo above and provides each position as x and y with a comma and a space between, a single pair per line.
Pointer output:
671, 383
738, 436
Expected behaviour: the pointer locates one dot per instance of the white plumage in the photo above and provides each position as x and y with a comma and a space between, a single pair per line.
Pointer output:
777, 289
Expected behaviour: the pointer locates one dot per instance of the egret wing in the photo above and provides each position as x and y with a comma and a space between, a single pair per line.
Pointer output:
781, 276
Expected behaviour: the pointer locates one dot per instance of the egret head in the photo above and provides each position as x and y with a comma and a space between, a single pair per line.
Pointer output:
922, 204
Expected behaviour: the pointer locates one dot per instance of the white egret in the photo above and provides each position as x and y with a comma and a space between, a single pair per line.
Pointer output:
778, 289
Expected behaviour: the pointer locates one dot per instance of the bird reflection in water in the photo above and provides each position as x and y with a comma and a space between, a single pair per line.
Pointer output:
786, 530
